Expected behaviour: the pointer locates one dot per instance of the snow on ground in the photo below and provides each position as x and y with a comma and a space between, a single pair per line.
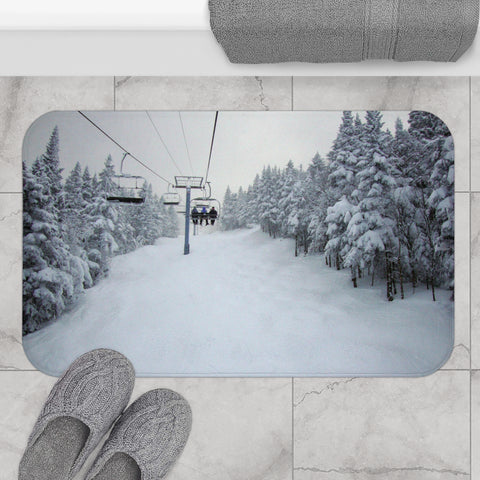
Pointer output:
242, 304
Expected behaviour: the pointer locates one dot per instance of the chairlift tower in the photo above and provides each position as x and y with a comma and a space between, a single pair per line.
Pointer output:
188, 183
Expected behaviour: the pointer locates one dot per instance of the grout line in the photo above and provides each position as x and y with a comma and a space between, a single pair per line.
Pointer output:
449, 370
7, 370
293, 427
470, 131
471, 427
10, 193
470, 258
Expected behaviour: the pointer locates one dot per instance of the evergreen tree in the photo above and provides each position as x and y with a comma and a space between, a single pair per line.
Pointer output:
145, 221
317, 200
253, 200
370, 232
171, 225
88, 188
100, 240
52, 276
343, 166
46, 169
229, 220
434, 200
106, 184
73, 218
337, 220
243, 216
268, 205
74, 189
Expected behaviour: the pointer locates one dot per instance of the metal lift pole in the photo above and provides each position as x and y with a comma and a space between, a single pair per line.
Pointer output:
186, 249
188, 183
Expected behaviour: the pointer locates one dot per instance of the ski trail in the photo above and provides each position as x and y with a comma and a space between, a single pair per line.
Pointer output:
241, 303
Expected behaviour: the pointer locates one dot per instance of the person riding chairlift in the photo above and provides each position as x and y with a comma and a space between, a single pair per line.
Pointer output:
204, 216
212, 214
195, 215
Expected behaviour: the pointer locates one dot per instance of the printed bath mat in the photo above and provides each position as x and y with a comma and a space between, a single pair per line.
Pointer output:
240, 243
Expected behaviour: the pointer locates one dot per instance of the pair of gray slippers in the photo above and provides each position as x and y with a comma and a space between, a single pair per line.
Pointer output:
91, 395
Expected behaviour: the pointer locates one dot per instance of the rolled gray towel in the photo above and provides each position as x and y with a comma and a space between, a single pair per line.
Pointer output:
321, 31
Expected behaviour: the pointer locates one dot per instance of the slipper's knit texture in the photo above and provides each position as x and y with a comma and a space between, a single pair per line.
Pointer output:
95, 389
271, 31
153, 431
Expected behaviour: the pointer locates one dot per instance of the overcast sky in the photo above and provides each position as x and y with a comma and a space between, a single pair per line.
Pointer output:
244, 142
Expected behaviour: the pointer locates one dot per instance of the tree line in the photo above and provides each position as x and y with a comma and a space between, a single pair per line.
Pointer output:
381, 204
70, 231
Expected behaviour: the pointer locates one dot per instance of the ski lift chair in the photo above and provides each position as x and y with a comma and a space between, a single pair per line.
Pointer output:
128, 189
200, 203
171, 197
207, 200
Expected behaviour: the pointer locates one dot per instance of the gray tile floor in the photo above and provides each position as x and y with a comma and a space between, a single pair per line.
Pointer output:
262, 429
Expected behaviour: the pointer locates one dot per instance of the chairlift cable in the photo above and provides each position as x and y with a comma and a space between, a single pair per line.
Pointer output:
124, 149
211, 146
186, 144
163, 142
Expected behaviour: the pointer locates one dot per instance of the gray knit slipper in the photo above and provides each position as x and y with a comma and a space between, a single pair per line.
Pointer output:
79, 411
147, 439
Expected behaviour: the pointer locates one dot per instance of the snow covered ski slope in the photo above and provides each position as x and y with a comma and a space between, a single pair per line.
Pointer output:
242, 304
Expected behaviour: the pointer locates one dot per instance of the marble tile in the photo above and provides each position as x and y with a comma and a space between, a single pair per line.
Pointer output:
460, 358
203, 93
475, 426
447, 97
475, 140
24, 99
382, 429
11, 350
475, 278
241, 428
23, 394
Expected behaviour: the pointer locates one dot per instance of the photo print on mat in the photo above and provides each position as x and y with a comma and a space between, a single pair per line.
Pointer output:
240, 243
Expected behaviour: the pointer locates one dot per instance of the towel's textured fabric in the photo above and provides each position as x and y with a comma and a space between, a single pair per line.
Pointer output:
272, 31
79, 411
146, 440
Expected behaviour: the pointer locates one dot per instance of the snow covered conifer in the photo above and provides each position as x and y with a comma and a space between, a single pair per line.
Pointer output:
52, 276
336, 221
253, 200
243, 215
87, 186
287, 198
106, 183
229, 220
100, 241
434, 199
74, 189
171, 225
144, 219
268, 205
370, 233
317, 200
46, 169
73, 218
